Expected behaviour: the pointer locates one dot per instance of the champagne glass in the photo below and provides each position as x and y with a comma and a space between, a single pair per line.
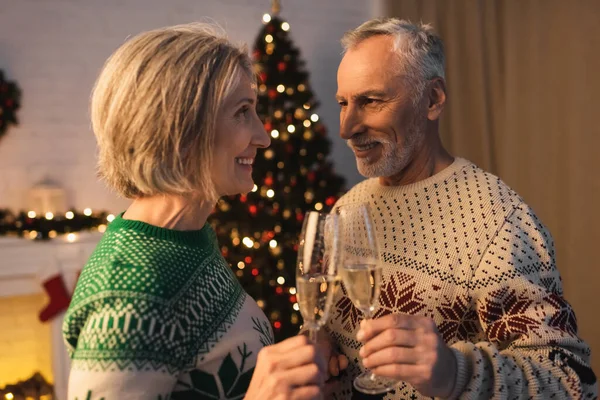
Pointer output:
361, 274
317, 277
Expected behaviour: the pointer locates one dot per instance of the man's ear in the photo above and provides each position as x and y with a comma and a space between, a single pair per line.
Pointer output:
436, 95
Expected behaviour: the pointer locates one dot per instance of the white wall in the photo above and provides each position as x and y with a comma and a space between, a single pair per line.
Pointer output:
54, 49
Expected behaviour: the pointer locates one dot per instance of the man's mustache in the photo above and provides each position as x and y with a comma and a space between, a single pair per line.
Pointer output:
363, 140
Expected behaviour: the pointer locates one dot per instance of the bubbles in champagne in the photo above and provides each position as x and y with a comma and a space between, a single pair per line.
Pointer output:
315, 297
363, 284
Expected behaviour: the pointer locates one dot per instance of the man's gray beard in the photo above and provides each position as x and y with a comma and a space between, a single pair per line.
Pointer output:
393, 159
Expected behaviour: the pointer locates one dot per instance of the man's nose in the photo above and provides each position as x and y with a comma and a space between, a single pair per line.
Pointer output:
350, 123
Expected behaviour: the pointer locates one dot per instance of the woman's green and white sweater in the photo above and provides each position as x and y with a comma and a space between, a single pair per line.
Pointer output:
158, 314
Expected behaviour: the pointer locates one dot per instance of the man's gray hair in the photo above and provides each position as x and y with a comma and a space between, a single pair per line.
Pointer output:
420, 49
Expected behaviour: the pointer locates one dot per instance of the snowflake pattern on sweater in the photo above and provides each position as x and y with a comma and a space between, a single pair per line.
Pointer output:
462, 248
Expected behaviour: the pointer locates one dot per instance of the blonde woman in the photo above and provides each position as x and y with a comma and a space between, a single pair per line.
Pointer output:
157, 314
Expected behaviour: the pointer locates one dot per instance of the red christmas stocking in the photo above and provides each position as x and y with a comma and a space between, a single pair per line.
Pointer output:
59, 297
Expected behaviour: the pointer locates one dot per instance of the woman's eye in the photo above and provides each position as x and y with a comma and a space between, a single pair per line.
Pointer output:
243, 112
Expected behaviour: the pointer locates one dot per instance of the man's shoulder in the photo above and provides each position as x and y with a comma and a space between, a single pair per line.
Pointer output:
495, 202
483, 185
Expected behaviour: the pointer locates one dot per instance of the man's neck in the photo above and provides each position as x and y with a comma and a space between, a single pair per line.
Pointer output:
172, 212
431, 159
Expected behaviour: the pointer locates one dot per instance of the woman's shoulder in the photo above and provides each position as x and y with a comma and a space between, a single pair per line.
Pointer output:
154, 281
132, 263
167, 317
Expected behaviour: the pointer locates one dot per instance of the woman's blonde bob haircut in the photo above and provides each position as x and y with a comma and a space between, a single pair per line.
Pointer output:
154, 109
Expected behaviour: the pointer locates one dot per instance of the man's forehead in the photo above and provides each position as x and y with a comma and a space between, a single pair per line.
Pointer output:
372, 62
369, 83
366, 64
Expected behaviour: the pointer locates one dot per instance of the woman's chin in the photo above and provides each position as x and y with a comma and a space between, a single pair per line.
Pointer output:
242, 187
247, 187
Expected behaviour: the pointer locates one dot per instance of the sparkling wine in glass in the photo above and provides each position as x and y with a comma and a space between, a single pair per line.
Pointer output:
361, 274
317, 276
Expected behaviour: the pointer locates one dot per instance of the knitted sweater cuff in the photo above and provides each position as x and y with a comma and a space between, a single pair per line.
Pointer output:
463, 374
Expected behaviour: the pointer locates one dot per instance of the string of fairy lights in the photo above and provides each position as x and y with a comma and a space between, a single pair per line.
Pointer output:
47, 226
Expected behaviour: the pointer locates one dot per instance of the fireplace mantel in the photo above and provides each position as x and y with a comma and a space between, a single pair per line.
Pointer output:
22, 261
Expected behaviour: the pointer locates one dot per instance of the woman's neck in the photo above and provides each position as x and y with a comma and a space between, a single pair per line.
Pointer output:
171, 212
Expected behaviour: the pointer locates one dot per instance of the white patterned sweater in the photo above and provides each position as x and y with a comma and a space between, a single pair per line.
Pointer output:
462, 248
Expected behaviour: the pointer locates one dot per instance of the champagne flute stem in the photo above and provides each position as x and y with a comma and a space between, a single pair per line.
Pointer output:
312, 335
368, 314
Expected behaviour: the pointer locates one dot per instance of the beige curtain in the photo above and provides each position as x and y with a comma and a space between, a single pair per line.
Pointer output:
524, 100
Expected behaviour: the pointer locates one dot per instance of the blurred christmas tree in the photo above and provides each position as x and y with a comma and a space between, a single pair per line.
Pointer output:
259, 231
